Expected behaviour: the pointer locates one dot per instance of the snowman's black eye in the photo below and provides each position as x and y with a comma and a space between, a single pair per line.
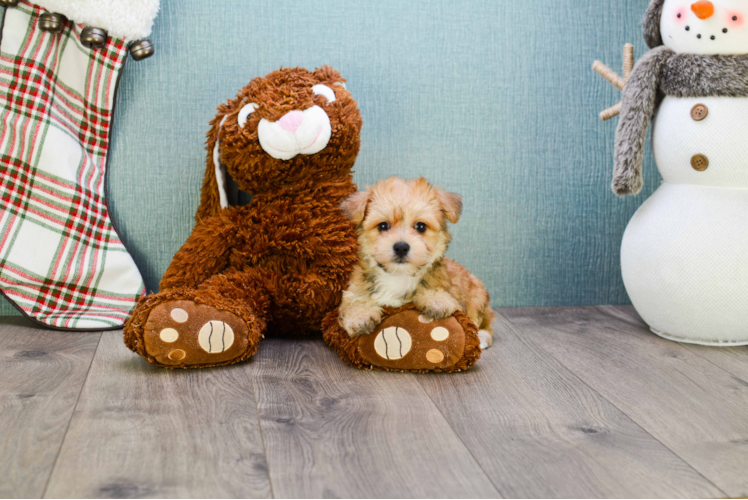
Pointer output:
383, 226
724, 30
734, 18
679, 16
420, 227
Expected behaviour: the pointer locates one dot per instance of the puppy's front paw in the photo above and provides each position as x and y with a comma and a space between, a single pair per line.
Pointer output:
439, 306
359, 321
486, 339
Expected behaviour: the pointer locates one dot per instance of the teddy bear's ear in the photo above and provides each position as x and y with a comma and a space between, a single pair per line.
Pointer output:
354, 207
213, 197
451, 205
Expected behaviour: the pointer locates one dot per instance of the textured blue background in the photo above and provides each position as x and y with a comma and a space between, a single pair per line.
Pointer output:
494, 99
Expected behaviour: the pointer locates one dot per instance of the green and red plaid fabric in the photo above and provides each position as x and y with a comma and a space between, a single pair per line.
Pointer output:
61, 260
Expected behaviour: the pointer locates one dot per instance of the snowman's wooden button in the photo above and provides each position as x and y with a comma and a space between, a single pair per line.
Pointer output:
699, 112
700, 163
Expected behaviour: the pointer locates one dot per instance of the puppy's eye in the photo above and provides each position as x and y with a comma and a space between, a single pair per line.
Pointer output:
244, 113
420, 227
383, 226
325, 91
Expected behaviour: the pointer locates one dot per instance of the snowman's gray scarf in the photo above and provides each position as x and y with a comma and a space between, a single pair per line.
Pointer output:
663, 72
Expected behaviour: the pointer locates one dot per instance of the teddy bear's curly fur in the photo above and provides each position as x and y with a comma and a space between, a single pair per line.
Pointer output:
278, 264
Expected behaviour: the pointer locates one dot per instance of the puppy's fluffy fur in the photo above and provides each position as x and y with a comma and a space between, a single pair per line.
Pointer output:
403, 236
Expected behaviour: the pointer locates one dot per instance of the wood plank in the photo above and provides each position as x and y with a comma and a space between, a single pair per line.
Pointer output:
336, 432
731, 359
42, 375
693, 407
142, 431
539, 431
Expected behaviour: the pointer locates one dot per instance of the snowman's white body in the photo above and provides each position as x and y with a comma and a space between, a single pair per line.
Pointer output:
685, 252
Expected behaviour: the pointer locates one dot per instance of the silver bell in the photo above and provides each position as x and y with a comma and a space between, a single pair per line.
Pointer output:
9, 3
52, 22
93, 38
142, 49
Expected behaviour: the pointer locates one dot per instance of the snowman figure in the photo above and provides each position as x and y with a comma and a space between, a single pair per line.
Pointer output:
684, 255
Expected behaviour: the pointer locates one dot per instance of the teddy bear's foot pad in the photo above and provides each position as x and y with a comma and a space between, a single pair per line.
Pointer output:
408, 341
183, 333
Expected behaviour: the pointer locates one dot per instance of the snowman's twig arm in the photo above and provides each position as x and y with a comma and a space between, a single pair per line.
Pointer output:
609, 75
611, 112
637, 109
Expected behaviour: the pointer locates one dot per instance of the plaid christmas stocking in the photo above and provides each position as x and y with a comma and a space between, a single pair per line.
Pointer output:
62, 262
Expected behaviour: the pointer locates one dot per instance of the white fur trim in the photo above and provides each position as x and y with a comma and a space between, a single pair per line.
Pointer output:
311, 137
220, 169
127, 19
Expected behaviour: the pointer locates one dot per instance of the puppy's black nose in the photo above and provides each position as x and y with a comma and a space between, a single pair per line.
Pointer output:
401, 249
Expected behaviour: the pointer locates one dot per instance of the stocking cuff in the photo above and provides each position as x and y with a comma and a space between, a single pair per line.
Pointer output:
126, 19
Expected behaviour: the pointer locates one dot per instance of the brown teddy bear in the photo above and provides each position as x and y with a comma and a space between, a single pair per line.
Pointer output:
282, 261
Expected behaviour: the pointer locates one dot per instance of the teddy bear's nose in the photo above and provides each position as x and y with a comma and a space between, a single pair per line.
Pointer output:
703, 9
291, 121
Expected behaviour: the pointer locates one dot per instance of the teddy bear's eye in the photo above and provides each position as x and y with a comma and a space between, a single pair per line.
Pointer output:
244, 113
420, 227
383, 226
325, 91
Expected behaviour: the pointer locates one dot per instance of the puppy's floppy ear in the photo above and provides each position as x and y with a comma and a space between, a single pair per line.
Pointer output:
213, 196
354, 207
451, 205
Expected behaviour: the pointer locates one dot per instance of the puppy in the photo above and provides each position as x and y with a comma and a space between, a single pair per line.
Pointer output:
403, 236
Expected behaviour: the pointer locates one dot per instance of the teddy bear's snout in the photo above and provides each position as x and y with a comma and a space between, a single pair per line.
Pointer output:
292, 121
297, 132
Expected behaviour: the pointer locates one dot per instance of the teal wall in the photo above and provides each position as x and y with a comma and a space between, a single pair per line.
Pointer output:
494, 99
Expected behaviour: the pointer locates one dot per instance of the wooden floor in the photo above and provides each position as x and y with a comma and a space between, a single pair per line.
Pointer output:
570, 402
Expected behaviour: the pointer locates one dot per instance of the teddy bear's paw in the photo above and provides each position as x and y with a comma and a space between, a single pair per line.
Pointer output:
412, 341
181, 333
486, 339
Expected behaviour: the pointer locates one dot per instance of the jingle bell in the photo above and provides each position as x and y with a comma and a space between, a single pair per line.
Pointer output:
93, 38
52, 22
142, 49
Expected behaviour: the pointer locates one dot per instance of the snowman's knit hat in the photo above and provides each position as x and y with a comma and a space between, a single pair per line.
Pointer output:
652, 34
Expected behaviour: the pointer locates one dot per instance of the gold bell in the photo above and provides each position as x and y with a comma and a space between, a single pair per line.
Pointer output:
142, 49
52, 22
93, 38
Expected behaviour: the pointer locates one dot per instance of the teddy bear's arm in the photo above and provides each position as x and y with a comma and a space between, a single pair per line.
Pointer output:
204, 254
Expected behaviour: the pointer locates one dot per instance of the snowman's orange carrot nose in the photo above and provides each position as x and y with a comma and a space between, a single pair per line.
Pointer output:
703, 9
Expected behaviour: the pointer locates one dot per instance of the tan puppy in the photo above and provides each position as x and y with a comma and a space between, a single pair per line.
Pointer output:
403, 236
